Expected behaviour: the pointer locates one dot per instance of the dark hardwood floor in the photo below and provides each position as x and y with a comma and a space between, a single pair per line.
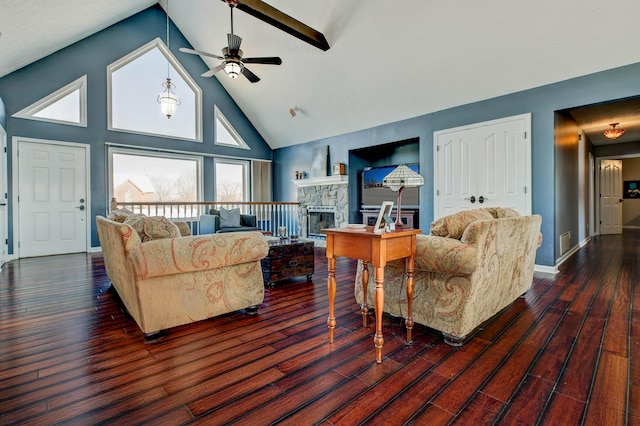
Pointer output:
565, 354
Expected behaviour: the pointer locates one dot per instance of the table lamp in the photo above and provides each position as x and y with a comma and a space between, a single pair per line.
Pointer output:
402, 177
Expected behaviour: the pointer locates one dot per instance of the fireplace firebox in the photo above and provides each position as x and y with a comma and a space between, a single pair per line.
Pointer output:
318, 218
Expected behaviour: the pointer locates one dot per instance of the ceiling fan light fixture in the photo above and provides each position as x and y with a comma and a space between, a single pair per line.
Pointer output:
614, 132
233, 69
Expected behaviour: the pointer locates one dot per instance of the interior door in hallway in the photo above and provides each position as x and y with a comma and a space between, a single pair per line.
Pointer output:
52, 195
611, 197
484, 165
4, 215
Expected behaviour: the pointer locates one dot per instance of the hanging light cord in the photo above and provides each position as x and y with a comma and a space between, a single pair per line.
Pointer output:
168, 39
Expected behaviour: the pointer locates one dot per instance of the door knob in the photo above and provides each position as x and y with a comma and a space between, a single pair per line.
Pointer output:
80, 207
472, 199
482, 199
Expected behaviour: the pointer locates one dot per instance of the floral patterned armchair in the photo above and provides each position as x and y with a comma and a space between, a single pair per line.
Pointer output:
473, 264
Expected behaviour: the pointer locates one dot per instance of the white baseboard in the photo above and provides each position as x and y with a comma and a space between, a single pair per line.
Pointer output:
546, 269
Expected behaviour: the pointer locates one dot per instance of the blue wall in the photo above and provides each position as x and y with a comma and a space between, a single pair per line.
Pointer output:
91, 57
542, 102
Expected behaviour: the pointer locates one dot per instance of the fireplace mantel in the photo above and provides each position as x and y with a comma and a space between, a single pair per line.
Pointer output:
320, 181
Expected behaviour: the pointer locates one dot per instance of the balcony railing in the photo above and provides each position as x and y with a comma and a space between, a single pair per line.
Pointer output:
269, 215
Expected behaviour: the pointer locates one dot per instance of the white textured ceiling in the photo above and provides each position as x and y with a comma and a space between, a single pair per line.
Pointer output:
389, 60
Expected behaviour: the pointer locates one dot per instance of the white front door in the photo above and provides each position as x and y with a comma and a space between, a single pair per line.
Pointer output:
484, 165
611, 197
52, 191
4, 215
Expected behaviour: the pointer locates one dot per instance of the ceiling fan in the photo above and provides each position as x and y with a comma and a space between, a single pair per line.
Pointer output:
282, 21
232, 60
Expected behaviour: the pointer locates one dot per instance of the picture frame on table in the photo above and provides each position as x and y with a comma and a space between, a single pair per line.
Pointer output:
385, 210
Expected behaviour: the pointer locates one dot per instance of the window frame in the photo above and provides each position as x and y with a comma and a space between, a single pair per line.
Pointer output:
246, 177
156, 43
111, 150
79, 85
218, 117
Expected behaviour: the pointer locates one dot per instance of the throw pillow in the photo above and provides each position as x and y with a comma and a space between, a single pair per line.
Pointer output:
453, 226
502, 212
119, 215
152, 228
229, 218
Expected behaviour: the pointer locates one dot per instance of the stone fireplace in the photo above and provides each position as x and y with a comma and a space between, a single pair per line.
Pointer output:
323, 204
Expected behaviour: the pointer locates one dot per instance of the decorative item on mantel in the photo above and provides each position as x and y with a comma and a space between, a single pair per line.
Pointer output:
401, 177
338, 169
300, 175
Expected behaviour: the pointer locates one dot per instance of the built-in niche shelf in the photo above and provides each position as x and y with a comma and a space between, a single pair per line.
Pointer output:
323, 180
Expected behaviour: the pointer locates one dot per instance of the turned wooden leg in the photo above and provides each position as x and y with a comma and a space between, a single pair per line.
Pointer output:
378, 339
331, 287
364, 308
409, 322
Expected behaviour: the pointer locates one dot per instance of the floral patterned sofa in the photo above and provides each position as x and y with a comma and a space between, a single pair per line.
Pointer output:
170, 280
473, 264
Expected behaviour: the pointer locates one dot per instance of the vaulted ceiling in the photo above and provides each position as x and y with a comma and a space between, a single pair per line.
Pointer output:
388, 60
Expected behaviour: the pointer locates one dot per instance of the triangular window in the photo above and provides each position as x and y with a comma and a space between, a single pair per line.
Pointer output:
134, 83
225, 134
67, 105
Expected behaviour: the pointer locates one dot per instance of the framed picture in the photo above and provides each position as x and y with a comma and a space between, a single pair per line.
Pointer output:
338, 169
385, 210
631, 189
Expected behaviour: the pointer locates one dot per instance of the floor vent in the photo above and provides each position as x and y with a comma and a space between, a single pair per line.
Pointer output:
564, 242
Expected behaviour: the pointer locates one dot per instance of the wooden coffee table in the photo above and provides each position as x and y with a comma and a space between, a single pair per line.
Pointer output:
286, 259
377, 249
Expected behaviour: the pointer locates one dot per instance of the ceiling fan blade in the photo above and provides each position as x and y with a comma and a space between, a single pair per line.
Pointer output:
266, 61
213, 70
198, 52
284, 22
234, 42
250, 76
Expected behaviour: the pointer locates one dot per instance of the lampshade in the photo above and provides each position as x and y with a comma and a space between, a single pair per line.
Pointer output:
613, 132
402, 176
168, 100
233, 69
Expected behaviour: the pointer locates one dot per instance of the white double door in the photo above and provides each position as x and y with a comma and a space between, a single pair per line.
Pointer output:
484, 165
52, 198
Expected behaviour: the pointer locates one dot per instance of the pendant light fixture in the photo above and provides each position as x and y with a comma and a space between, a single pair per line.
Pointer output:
614, 132
168, 100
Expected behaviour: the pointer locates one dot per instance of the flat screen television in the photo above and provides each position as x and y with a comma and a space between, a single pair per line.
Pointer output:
373, 193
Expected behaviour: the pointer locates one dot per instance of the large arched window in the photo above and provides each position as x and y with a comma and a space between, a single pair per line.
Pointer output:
134, 83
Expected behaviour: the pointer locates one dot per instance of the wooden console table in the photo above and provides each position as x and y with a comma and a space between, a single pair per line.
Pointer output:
377, 249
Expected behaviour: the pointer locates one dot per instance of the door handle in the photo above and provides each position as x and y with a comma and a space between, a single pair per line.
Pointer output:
482, 199
472, 199
80, 207
3, 204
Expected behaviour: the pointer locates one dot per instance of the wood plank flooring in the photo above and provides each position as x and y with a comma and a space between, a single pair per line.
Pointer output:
566, 354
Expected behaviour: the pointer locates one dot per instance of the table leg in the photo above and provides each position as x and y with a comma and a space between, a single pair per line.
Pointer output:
378, 339
331, 287
365, 281
409, 321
